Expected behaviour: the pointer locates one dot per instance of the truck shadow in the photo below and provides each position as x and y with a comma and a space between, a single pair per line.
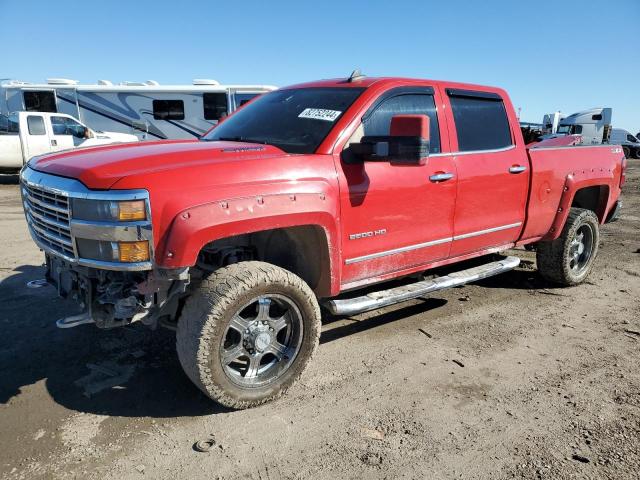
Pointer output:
131, 371
9, 178
524, 277
134, 371
359, 325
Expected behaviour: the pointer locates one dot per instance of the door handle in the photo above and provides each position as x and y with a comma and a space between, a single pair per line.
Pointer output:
54, 143
441, 177
517, 169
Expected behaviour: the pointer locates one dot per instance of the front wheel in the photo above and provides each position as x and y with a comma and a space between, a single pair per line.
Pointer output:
568, 259
247, 333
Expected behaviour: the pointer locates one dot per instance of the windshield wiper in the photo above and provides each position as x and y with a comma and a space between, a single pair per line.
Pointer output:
241, 139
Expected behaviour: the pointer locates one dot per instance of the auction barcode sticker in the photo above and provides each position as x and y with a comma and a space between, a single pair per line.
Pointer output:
320, 114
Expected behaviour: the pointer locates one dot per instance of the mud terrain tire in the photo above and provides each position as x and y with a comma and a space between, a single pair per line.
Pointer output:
568, 259
206, 320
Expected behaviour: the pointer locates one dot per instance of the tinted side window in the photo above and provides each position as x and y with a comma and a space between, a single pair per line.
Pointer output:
59, 126
36, 125
13, 123
379, 122
39, 101
168, 110
215, 105
481, 122
4, 124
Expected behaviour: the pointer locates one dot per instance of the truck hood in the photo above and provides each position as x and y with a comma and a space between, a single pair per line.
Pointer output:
115, 136
99, 168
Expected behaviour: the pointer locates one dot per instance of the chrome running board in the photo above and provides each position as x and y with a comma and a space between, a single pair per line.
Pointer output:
383, 298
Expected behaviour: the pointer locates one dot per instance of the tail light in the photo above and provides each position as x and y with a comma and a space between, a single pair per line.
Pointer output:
623, 172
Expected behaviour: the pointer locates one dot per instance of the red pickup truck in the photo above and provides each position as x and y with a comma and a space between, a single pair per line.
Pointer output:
299, 199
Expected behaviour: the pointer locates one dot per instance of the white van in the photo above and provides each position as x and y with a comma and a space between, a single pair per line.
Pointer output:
630, 144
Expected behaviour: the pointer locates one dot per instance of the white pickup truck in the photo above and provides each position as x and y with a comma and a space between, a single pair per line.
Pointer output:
26, 134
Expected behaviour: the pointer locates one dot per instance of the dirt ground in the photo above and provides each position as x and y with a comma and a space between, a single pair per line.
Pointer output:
508, 378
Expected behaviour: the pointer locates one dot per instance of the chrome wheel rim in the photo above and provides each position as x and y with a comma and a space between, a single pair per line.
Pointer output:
581, 249
261, 341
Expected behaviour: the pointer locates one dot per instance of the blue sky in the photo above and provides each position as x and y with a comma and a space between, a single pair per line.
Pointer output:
569, 55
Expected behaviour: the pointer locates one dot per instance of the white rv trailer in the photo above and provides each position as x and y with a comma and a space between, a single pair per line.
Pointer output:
148, 109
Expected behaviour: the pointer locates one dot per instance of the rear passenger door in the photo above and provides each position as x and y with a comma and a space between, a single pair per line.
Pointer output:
35, 139
493, 172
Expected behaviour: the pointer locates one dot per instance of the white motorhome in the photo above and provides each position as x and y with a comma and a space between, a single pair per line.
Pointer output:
24, 135
148, 109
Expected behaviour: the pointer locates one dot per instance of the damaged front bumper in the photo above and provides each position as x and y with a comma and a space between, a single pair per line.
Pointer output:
116, 298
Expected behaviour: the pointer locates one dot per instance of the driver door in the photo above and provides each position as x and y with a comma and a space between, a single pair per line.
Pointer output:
396, 217
66, 133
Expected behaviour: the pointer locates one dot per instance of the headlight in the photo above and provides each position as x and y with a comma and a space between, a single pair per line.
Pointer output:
109, 210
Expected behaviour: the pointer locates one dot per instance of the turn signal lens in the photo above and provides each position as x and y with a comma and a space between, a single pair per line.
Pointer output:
133, 210
131, 252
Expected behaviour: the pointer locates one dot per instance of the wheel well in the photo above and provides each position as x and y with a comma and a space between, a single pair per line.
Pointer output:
592, 198
302, 250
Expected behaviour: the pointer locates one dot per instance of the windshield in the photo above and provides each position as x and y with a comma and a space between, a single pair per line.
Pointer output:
9, 124
295, 120
570, 129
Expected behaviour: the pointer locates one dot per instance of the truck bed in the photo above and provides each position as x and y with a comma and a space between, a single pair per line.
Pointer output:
558, 173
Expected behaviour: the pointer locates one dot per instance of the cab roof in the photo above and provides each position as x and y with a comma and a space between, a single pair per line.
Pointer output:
366, 82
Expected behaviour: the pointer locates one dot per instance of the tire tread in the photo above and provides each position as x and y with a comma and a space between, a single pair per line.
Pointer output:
550, 256
214, 295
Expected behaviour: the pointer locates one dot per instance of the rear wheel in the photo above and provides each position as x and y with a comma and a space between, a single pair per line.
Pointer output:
247, 333
626, 151
568, 259
637, 153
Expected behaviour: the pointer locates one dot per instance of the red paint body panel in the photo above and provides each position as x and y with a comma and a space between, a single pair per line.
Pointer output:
571, 168
381, 220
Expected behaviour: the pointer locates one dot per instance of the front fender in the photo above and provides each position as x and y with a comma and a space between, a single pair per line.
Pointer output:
195, 227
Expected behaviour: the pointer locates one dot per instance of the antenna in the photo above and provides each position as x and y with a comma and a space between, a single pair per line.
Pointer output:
355, 76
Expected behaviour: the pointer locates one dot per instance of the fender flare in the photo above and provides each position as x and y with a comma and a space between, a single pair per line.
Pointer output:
195, 227
570, 188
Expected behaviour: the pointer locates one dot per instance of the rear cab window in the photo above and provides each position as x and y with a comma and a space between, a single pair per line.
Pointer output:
35, 125
481, 120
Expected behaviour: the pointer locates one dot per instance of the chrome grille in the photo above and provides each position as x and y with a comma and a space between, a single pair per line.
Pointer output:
48, 216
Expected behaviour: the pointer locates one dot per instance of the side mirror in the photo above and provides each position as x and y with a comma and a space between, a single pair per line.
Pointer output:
406, 144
